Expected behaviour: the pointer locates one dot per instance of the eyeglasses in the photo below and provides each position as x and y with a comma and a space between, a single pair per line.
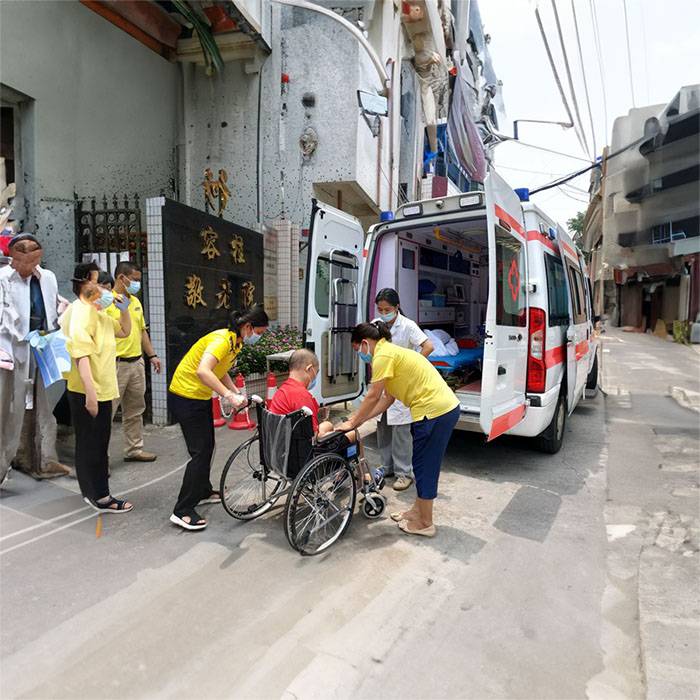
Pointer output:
19, 248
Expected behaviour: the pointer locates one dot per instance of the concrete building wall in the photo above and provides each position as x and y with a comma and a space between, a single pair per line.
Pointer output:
101, 114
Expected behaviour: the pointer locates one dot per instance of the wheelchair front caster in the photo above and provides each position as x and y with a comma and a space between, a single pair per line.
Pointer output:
373, 506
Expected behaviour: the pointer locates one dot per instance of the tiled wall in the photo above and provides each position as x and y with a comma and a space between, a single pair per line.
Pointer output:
156, 300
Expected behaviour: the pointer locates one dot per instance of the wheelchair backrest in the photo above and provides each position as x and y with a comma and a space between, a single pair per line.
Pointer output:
285, 441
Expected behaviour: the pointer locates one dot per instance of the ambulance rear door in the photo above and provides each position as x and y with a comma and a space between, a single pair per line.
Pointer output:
504, 372
332, 301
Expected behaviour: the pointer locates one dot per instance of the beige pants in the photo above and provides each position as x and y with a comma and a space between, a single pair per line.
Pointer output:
131, 378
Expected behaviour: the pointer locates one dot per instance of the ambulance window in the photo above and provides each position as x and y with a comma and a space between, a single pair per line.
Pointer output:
556, 292
578, 300
324, 273
510, 280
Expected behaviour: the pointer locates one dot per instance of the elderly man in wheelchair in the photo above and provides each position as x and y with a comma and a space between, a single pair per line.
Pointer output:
321, 471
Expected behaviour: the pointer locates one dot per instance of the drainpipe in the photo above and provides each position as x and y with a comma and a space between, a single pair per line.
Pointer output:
390, 103
379, 166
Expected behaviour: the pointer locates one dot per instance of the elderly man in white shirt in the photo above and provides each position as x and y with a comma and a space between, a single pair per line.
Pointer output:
29, 300
394, 427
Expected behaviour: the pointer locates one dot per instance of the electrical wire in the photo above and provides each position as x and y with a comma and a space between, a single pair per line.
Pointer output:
583, 72
503, 138
599, 57
629, 52
554, 71
581, 133
597, 164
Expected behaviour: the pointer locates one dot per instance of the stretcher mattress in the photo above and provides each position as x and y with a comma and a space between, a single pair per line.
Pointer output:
464, 358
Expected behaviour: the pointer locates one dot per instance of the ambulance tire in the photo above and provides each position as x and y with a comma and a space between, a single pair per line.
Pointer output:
551, 438
592, 380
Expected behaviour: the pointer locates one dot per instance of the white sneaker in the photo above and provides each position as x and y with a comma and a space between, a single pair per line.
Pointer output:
401, 483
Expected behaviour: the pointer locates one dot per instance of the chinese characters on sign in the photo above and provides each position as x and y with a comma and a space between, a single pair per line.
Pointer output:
237, 253
247, 294
216, 192
224, 296
209, 238
194, 290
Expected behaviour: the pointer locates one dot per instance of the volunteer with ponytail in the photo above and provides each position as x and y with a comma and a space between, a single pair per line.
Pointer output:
92, 381
203, 370
394, 427
398, 373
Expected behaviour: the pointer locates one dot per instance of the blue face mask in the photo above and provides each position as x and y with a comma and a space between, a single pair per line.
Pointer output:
312, 383
388, 318
252, 338
106, 299
365, 356
134, 287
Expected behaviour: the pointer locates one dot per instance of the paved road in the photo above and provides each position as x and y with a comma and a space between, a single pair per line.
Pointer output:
529, 590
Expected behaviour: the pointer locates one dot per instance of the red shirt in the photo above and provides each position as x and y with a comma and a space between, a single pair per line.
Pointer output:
292, 396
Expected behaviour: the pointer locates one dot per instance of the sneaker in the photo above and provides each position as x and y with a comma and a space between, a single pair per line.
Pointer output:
402, 483
141, 457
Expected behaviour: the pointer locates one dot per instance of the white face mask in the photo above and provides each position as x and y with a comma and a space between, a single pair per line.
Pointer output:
252, 338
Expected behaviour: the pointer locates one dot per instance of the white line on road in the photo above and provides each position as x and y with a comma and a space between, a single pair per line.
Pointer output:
74, 512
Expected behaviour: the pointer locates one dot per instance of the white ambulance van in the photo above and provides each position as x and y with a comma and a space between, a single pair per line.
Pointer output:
494, 273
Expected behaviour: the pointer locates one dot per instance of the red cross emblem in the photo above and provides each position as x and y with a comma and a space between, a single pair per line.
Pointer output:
514, 280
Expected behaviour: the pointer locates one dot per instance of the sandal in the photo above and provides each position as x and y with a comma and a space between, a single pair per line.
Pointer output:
113, 505
195, 523
213, 497
430, 531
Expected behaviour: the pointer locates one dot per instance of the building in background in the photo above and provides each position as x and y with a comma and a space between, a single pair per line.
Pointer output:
642, 226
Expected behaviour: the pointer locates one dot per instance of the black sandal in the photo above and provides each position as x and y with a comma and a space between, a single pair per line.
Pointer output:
121, 506
196, 522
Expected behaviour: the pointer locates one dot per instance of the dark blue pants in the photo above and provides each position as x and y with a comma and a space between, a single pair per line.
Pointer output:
430, 438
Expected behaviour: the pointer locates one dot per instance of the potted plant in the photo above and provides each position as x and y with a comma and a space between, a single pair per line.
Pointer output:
252, 360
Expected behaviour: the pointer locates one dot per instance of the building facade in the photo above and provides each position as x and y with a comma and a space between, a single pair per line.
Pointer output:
642, 226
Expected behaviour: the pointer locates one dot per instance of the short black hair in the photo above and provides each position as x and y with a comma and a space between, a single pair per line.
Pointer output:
377, 330
105, 278
389, 295
125, 267
81, 275
255, 315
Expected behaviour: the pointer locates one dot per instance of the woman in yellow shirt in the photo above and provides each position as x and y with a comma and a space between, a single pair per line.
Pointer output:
92, 382
400, 373
202, 371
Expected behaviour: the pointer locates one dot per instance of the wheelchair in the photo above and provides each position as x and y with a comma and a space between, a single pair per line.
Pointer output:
321, 488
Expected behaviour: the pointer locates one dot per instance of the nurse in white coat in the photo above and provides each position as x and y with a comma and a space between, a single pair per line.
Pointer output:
394, 428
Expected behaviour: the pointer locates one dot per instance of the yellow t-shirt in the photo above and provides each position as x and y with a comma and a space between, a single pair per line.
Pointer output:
131, 345
223, 345
90, 333
410, 378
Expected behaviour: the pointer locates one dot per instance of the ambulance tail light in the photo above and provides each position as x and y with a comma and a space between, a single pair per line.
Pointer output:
536, 369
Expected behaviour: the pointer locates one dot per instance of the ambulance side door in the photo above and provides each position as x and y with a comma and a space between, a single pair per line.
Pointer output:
333, 301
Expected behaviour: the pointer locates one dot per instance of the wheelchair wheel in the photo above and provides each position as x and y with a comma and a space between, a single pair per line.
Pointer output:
320, 506
248, 489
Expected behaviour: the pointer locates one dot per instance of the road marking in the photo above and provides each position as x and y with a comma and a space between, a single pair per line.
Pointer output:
74, 512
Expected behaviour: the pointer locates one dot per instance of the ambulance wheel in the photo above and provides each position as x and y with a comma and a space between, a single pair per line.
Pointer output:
592, 381
373, 506
552, 437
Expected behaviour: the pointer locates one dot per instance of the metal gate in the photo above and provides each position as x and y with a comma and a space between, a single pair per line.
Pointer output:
109, 234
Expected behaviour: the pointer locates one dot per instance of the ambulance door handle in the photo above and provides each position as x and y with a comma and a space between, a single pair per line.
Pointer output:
501, 370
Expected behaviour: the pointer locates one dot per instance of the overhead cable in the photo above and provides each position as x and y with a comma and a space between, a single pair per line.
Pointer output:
599, 56
554, 72
597, 164
582, 133
585, 81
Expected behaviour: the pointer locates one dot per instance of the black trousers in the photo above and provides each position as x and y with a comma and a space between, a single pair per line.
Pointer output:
91, 445
197, 422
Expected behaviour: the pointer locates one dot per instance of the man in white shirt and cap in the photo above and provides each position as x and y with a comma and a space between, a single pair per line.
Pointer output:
29, 301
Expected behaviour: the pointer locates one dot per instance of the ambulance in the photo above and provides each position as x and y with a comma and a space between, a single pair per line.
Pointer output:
491, 272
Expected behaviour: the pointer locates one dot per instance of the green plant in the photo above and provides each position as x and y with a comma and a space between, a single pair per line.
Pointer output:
210, 49
253, 358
